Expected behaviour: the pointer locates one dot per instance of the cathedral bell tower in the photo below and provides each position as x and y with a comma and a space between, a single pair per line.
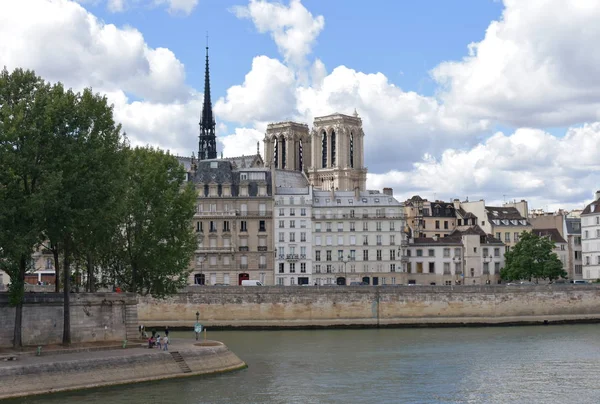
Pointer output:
207, 147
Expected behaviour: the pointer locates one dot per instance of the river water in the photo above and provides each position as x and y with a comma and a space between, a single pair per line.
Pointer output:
542, 364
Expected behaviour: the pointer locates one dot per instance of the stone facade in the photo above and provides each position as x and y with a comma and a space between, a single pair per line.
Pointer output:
94, 317
293, 228
233, 223
590, 231
357, 237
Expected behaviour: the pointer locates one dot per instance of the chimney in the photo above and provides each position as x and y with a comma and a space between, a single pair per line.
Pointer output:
597, 194
388, 191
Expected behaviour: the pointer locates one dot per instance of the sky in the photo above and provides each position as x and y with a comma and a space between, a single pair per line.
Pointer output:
477, 99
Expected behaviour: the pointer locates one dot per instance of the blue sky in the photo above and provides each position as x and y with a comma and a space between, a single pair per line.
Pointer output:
402, 39
478, 98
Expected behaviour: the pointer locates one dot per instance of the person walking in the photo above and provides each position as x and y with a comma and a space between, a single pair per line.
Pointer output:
165, 343
158, 341
167, 331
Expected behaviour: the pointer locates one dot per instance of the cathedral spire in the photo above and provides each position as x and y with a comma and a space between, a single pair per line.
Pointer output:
208, 143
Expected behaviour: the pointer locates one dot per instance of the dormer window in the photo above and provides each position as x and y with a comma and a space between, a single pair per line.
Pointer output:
214, 164
244, 176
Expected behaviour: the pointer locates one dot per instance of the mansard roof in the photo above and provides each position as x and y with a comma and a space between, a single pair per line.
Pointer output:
430, 241
552, 234
573, 225
505, 216
592, 209
475, 230
223, 172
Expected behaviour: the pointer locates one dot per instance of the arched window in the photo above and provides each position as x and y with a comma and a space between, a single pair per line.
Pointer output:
300, 157
283, 152
333, 148
351, 150
324, 147
276, 152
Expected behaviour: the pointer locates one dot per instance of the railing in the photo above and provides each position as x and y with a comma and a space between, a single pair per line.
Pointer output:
244, 248
262, 266
302, 256
292, 257
215, 249
281, 256
244, 266
215, 214
262, 248
265, 213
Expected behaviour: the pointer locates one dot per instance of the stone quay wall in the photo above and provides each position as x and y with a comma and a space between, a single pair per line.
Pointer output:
129, 366
95, 317
369, 306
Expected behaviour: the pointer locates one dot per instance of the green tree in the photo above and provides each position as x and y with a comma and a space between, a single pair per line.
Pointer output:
24, 99
86, 181
532, 258
155, 243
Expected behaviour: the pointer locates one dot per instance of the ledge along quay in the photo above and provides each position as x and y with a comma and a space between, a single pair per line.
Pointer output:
107, 352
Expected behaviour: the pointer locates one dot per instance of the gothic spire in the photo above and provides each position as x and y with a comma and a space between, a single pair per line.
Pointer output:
208, 142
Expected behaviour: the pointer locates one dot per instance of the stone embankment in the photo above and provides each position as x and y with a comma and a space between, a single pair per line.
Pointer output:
31, 375
368, 306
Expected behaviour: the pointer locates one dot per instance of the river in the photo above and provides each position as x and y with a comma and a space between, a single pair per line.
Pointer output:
542, 364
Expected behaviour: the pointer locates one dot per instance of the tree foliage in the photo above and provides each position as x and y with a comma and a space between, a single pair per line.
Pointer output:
532, 258
69, 183
154, 244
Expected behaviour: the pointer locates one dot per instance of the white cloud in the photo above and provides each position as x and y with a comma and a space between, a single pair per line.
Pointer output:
173, 6
266, 94
537, 66
62, 41
293, 28
243, 142
529, 164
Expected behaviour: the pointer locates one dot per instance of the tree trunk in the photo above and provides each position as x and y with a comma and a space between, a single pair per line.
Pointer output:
56, 269
90, 273
66, 291
17, 334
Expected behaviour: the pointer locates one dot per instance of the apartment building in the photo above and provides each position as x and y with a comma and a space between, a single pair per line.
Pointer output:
560, 244
468, 256
430, 218
233, 222
590, 239
572, 232
357, 237
293, 228
505, 223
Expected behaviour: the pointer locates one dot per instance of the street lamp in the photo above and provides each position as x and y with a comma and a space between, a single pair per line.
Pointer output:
197, 316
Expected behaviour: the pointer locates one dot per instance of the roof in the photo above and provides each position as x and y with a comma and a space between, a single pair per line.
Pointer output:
475, 230
349, 199
573, 225
251, 161
465, 215
505, 216
223, 172
291, 183
592, 209
442, 209
552, 234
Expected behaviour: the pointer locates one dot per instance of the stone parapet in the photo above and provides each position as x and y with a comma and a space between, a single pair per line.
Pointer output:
368, 306
95, 317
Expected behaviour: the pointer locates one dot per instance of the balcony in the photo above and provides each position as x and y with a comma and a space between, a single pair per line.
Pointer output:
253, 213
243, 266
213, 249
292, 257
244, 248
302, 256
281, 256
262, 248
404, 258
214, 214
262, 266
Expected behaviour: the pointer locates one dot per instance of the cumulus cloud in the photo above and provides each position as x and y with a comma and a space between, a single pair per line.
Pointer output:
528, 164
62, 41
293, 27
266, 94
243, 142
537, 66
173, 6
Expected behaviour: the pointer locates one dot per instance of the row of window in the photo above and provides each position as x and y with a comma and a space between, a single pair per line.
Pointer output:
429, 267
292, 224
292, 267
379, 212
292, 212
507, 236
292, 200
243, 208
379, 240
212, 260
352, 226
332, 268
588, 259
587, 233
213, 226
446, 252
352, 256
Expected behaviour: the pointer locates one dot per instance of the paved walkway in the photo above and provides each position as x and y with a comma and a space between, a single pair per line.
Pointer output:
79, 353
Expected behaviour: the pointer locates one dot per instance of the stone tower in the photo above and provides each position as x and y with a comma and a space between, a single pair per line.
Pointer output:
287, 146
207, 145
337, 153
